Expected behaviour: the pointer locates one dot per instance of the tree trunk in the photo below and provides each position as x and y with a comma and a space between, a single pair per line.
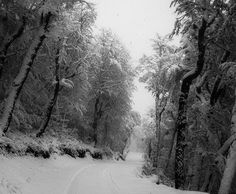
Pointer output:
156, 115
127, 145
4, 51
171, 149
207, 179
105, 141
182, 110
158, 132
196, 168
53, 100
19, 81
97, 116
149, 148
159, 145
228, 181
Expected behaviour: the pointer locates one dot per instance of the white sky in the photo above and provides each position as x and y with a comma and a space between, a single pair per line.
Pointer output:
136, 22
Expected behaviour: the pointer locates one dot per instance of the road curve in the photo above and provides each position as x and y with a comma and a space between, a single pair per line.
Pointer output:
109, 177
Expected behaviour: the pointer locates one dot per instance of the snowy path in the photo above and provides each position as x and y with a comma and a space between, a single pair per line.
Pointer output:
109, 178
115, 178
64, 175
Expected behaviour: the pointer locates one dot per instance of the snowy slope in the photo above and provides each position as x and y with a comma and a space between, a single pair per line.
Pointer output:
64, 175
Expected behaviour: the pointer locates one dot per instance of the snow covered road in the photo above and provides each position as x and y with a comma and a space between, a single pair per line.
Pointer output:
116, 178
109, 178
64, 175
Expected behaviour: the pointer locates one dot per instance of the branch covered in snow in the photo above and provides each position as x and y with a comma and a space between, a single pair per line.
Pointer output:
67, 83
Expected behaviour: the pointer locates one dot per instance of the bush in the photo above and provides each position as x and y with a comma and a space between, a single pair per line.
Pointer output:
68, 150
37, 151
20, 144
81, 152
97, 155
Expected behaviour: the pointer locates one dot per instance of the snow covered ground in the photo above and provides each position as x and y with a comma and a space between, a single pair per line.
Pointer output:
64, 175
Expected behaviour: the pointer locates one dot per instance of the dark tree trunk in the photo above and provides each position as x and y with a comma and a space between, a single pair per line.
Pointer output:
182, 110
106, 131
96, 117
95, 122
149, 148
53, 100
158, 132
156, 115
3, 53
19, 81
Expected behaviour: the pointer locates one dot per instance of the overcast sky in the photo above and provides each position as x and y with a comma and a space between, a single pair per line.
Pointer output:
136, 22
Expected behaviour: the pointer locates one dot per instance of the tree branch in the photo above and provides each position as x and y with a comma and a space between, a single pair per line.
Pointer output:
215, 90
227, 144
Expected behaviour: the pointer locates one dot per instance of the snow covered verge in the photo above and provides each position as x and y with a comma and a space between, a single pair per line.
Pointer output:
18, 144
149, 171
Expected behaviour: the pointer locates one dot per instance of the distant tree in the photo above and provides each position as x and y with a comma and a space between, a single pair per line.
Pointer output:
111, 81
160, 72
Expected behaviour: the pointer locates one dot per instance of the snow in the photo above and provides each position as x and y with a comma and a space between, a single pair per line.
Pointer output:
37, 176
64, 175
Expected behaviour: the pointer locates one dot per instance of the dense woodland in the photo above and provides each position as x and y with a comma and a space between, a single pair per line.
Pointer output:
191, 130
61, 81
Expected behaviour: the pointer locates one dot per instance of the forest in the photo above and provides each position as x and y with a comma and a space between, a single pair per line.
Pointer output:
67, 89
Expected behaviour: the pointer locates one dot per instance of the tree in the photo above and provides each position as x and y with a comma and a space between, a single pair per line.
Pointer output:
53, 22
54, 97
71, 54
57, 78
201, 23
204, 104
201, 120
227, 183
160, 72
26, 66
181, 119
111, 81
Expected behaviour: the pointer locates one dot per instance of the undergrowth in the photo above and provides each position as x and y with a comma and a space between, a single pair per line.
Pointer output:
149, 170
21, 145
